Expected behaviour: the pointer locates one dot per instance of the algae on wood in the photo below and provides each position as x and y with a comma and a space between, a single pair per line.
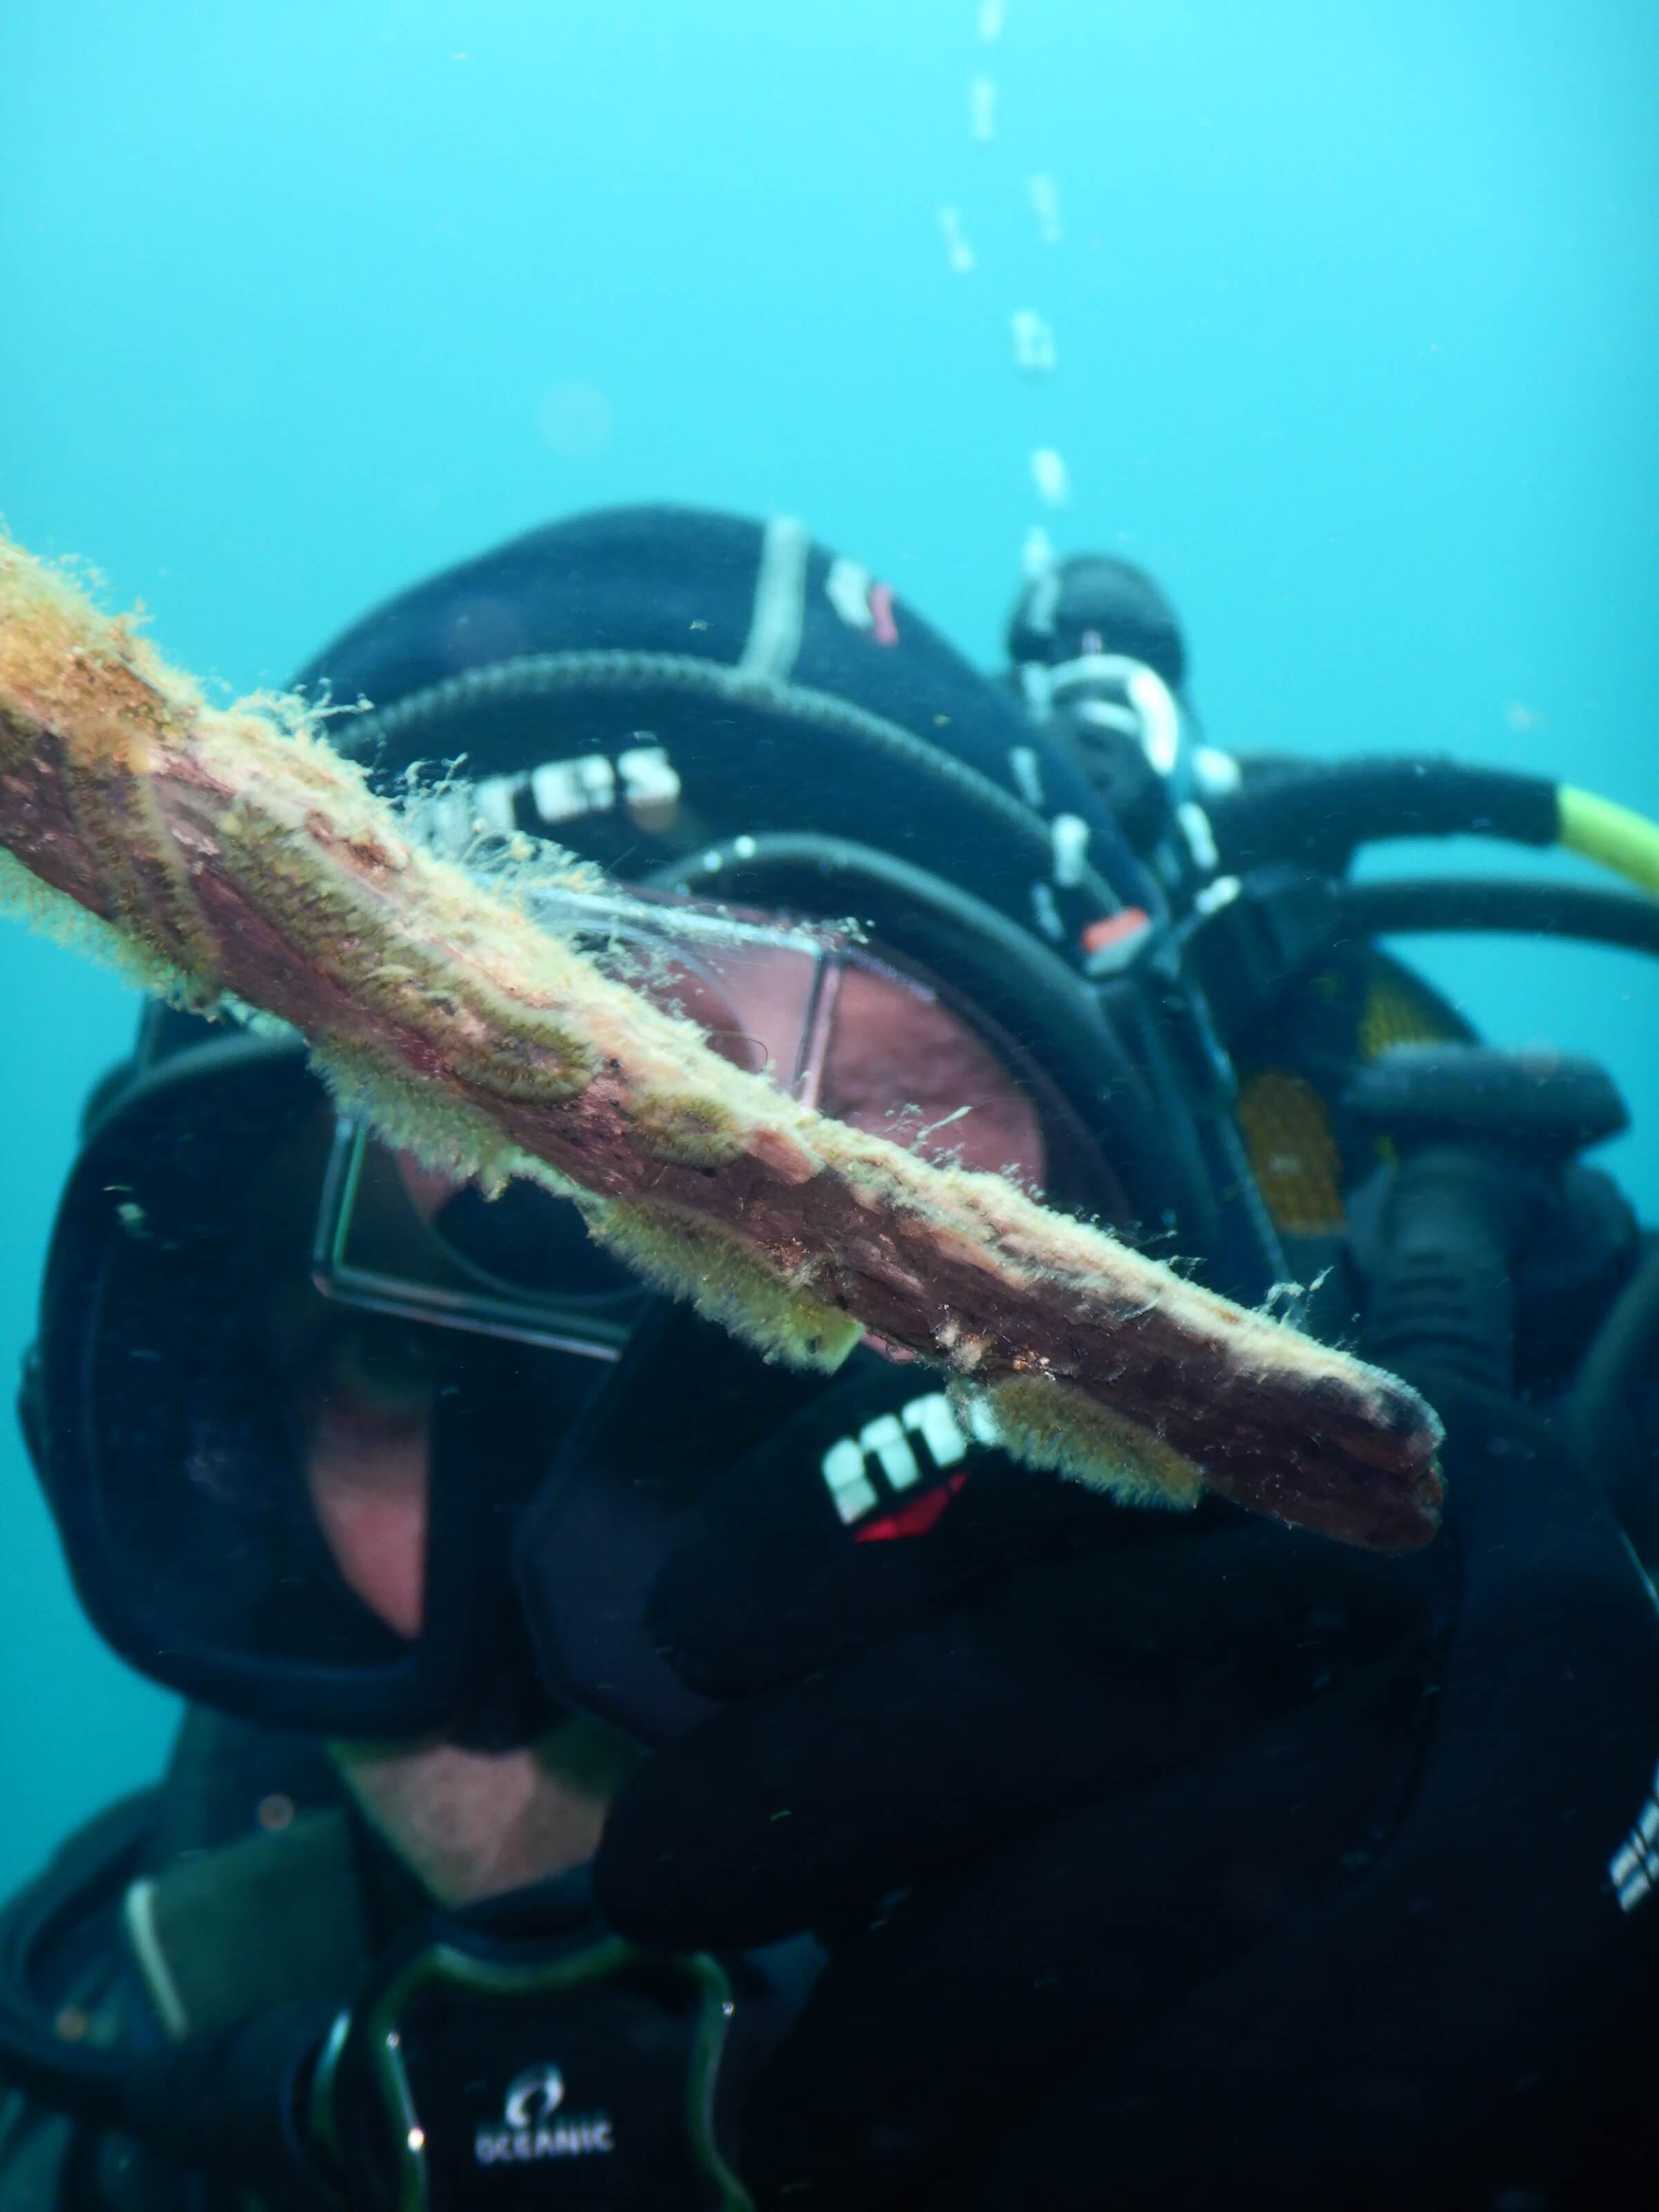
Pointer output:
232, 857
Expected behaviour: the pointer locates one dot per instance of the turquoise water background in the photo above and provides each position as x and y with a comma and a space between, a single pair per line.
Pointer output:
1355, 316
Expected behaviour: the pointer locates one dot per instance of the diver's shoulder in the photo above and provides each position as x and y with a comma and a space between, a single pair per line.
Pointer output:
162, 1897
64, 2008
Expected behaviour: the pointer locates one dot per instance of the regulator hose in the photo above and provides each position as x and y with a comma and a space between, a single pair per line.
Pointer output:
1499, 905
1322, 814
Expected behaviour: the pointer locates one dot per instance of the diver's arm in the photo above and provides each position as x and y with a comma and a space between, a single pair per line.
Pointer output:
1472, 2013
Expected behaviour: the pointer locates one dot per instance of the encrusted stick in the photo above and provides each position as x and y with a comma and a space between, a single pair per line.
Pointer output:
234, 856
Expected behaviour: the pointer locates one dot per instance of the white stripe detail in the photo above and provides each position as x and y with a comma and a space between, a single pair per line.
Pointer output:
1646, 1581
1160, 717
1069, 837
932, 1419
1047, 913
1215, 773
138, 1911
1033, 683
1027, 773
774, 627
1633, 1886
1068, 676
847, 587
1101, 714
1200, 838
649, 778
948, 1427
561, 790
849, 1485
884, 1440
1151, 697
1213, 897
1634, 1867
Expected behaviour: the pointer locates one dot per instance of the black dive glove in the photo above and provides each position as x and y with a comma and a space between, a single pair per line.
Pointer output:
1469, 2022
1037, 1768
1173, 1860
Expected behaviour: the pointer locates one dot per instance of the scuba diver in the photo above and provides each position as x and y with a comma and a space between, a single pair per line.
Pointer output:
619, 1771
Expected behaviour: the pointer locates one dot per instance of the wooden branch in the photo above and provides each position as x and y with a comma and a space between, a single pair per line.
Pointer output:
235, 857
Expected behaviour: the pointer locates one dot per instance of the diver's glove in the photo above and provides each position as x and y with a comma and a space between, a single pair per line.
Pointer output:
1188, 1861
1037, 1769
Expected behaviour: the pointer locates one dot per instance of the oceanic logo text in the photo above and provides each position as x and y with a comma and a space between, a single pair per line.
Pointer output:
530, 2131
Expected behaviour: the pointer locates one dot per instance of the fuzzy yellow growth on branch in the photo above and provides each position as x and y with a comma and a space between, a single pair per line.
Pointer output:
234, 859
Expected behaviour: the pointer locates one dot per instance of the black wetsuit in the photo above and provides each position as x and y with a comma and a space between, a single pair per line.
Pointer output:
1468, 1961
1477, 1965
245, 1883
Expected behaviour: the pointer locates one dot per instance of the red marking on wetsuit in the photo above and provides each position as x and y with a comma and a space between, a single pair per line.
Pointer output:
881, 614
914, 1519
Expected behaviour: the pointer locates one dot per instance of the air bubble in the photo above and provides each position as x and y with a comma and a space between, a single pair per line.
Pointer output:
957, 252
1034, 343
1048, 474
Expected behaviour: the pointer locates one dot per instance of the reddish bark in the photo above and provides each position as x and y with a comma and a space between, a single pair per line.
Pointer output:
244, 858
